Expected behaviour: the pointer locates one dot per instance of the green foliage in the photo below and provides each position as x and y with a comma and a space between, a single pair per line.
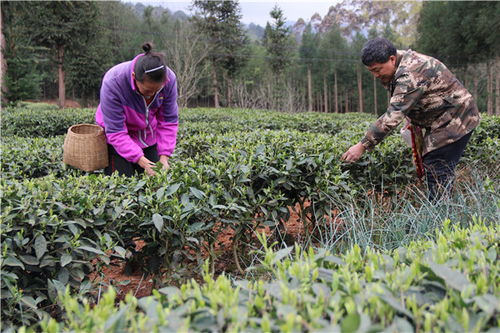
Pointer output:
220, 22
449, 284
56, 24
42, 120
466, 39
232, 167
22, 78
277, 42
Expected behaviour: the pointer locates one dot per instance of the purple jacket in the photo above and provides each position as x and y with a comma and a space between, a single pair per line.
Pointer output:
129, 123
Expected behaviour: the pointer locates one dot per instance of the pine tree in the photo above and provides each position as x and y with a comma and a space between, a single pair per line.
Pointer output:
308, 52
278, 42
220, 22
21, 80
61, 26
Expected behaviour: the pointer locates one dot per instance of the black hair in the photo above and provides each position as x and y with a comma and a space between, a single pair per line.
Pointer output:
151, 65
377, 50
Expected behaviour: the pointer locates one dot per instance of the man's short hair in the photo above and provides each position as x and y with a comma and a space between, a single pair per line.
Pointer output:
377, 50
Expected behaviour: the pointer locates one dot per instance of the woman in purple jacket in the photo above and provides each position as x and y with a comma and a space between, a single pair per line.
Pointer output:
139, 113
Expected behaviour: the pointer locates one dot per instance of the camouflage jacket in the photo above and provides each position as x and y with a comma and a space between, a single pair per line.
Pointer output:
425, 92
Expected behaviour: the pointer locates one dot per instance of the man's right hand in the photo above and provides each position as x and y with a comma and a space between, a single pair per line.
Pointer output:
147, 165
354, 153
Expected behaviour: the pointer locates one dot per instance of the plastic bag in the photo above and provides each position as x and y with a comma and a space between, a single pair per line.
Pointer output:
406, 134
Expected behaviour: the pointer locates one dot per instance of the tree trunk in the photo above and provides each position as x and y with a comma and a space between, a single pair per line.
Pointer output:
309, 89
489, 88
344, 97
214, 85
375, 102
329, 100
325, 94
229, 92
360, 89
3, 63
270, 96
60, 70
475, 85
346, 101
497, 87
336, 93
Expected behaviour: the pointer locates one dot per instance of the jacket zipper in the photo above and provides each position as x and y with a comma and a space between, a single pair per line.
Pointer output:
145, 134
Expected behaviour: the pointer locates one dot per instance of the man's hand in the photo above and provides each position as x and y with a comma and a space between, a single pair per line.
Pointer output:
164, 162
354, 153
147, 165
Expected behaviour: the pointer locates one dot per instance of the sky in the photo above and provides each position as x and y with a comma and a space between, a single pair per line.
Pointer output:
257, 11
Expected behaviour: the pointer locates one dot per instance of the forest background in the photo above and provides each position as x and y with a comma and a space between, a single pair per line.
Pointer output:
60, 50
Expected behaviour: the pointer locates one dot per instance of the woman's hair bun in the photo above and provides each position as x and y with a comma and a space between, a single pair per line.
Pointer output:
147, 47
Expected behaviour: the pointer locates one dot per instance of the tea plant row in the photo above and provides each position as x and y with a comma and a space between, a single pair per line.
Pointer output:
451, 284
232, 168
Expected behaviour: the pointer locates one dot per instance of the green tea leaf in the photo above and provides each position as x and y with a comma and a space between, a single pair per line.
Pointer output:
351, 323
91, 249
395, 304
121, 251
488, 303
172, 189
160, 193
158, 222
282, 254
197, 193
29, 301
40, 246
12, 261
30, 260
170, 291
195, 227
452, 278
66, 259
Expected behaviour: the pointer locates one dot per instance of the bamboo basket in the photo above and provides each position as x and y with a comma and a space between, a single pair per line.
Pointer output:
85, 147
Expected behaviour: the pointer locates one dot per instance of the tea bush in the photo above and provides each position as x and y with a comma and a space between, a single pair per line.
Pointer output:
450, 284
33, 120
236, 168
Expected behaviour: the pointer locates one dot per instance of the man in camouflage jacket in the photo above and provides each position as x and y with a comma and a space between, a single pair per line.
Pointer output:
428, 95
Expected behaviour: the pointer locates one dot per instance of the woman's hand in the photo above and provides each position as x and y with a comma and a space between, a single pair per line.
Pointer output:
147, 165
354, 153
164, 162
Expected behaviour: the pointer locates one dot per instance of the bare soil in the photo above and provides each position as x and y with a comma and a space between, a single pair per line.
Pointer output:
141, 284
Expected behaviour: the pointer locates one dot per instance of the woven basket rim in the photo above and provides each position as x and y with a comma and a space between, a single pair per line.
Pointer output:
99, 130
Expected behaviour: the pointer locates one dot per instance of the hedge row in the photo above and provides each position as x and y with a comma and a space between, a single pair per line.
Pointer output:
451, 284
35, 120
53, 226
44, 120
204, 130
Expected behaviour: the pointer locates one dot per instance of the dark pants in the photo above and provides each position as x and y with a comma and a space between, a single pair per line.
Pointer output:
440, 166
124, 167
